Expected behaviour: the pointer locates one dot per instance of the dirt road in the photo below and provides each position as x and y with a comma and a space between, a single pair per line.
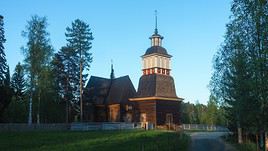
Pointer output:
208, 141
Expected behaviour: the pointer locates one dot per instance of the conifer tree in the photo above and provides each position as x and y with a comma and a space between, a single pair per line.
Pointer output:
3, 61
79, 37
18, 83
5, 90
67, 79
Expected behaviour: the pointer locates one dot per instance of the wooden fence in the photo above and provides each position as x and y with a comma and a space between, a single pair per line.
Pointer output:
204, 127
65, 127
102, 126
33, 127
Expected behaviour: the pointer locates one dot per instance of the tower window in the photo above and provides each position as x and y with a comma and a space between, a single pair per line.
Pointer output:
158, 70
168, 72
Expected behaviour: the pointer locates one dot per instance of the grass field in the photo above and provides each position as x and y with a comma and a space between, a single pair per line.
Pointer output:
94, 141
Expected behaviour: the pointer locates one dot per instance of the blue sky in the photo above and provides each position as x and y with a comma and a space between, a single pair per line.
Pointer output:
193, 31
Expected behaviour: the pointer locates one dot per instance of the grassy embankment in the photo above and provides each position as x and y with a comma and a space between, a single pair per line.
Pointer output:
95, 141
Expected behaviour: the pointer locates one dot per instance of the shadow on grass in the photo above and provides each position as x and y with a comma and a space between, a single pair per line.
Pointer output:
95, 141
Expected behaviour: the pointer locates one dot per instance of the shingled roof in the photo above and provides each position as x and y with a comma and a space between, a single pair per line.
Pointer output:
101, 91
156, 85
156, 49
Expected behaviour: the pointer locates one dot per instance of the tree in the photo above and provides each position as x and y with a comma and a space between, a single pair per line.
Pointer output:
79, 38
211, 114
66, 69
17, 109
3, 61
240, 78
18, 83
5, 90
51, 108
38, 53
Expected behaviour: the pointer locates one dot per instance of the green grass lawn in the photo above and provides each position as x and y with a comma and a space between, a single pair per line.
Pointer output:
246, 146
94, 141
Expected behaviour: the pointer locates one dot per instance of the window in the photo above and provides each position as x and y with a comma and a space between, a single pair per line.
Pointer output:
143, 117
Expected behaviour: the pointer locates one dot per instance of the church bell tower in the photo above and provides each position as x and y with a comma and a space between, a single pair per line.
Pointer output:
156, 60
156, 101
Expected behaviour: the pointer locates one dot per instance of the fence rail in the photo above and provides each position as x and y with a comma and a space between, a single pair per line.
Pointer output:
101, 126
65, 127
33, 127
204, 127
97, 126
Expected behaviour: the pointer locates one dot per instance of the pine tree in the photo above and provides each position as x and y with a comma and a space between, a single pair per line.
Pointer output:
66, 68
38, 54
79, 37
3, 61
17, 109
5, 90
18, 83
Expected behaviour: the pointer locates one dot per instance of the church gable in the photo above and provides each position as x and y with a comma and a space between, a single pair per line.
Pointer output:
97, 90
121, 90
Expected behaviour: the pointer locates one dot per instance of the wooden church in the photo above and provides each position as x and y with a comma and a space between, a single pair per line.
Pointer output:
106, 100
155, 103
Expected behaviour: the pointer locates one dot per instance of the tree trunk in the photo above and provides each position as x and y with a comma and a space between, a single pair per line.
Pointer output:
38, 108
81, 92
67, 111
240, 140
257, 142
266, 141
262, 141
66, 101
30, 121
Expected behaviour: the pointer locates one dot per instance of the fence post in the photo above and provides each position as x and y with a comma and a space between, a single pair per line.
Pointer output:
142, 147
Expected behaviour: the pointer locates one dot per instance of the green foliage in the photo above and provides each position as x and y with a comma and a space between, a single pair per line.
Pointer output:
66, 70
38, 51
5, 99
17, 109
98, 140
211, 114
5, 90
79, 38
248, 146
240, 78
38, 54
16, 112
18, 83
51, 109
3, 61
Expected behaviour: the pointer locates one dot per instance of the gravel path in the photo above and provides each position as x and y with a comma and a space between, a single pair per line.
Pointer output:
209, 141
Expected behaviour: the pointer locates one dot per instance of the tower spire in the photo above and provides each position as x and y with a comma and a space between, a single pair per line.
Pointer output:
112, 71
156, 30
156, 39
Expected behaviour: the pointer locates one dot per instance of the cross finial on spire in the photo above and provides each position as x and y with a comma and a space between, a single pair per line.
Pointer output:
155, 31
